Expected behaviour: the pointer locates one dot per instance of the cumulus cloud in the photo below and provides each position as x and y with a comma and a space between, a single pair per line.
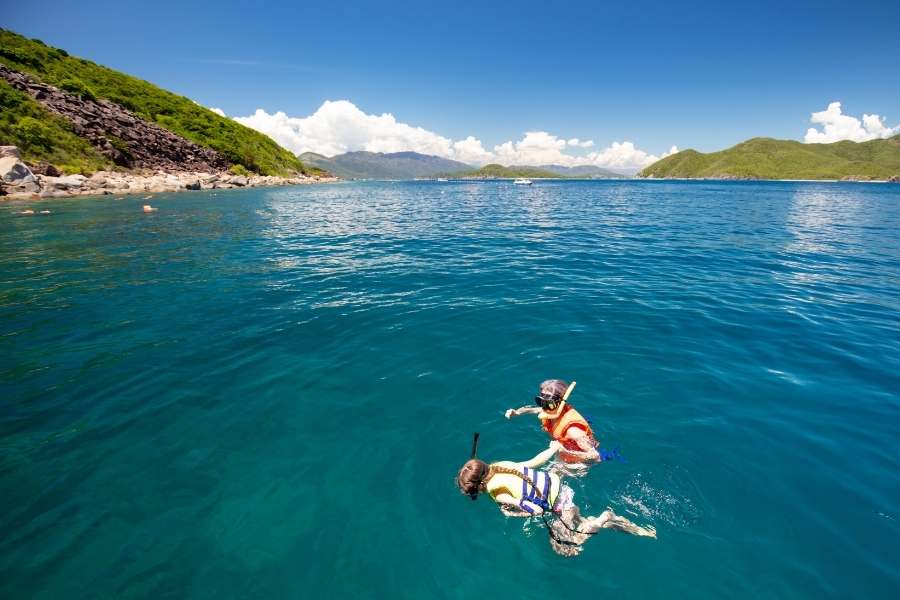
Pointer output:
542, 148
837, 126
218, 111
471, 151
340, 126
536, 148
622, 155
576, 143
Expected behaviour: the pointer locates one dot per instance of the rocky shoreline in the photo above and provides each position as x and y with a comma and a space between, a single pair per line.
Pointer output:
19, 182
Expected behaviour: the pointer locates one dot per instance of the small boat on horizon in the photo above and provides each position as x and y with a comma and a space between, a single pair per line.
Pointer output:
522, 181
441, 179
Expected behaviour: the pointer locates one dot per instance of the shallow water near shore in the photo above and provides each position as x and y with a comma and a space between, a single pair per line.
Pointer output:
267, 393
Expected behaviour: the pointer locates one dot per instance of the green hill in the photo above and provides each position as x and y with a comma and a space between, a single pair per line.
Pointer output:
767, 158
26, 124
494, 171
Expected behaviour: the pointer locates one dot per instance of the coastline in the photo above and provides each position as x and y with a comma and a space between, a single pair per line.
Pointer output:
749, 179
100, 183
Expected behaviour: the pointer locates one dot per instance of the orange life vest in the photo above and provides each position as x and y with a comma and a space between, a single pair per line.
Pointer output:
559, 426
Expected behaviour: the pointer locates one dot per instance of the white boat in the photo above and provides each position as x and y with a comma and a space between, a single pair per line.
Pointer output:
441, 179
521, 181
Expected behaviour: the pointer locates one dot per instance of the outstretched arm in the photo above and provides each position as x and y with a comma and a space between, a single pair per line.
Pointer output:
544, 456
524, 410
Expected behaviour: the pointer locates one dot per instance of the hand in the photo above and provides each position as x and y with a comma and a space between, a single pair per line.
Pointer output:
555, 446
509, 413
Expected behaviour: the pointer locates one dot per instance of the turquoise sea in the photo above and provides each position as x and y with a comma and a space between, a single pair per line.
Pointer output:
267, 393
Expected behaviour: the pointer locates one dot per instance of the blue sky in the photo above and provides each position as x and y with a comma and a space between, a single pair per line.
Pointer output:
696, 74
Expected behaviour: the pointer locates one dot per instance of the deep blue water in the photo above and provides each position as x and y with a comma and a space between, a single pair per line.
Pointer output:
267, 393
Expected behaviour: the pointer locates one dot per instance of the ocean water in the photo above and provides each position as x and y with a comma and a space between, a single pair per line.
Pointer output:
267, 393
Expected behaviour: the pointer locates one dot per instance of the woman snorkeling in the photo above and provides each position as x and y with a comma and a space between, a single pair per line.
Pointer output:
521, 490
562, 422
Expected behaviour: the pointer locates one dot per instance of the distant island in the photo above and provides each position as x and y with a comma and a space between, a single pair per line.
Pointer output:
64, 118
495, 171
767, 158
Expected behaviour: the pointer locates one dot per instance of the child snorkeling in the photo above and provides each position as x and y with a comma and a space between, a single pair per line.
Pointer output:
562, 422
521, 490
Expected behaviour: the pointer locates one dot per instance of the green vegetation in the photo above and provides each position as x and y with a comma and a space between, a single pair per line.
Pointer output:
78, 88
494, 171
766, 158
239, 144
42, 136
239, 170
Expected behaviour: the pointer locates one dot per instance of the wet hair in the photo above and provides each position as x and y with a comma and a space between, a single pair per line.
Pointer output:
554, 388
470, 479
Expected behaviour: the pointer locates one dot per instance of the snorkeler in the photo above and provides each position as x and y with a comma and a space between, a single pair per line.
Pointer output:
562, 422
521, 490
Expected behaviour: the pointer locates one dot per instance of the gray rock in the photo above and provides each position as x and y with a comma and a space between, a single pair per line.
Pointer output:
24, 187
239, 180
6, 151
193, 185
71, 180
13, 170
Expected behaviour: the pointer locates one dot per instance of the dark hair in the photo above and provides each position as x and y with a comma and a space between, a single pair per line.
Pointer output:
471, 477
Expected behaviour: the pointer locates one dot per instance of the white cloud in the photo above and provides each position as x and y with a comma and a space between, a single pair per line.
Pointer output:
340, 126
218, 111
471, 151
536, 148
837, 126
622, 155
576, 143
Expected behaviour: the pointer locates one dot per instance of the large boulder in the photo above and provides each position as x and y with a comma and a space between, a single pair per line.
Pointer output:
13, 170
23, 187
239, 180
193, 185
67, 182
9, 151
45, 168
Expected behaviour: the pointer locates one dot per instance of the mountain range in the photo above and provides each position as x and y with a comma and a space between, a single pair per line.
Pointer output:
410, 165
379, 165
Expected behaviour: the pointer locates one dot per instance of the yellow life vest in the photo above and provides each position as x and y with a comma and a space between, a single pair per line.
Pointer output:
519, 486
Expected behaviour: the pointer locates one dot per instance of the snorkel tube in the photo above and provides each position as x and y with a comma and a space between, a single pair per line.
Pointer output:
474, 445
